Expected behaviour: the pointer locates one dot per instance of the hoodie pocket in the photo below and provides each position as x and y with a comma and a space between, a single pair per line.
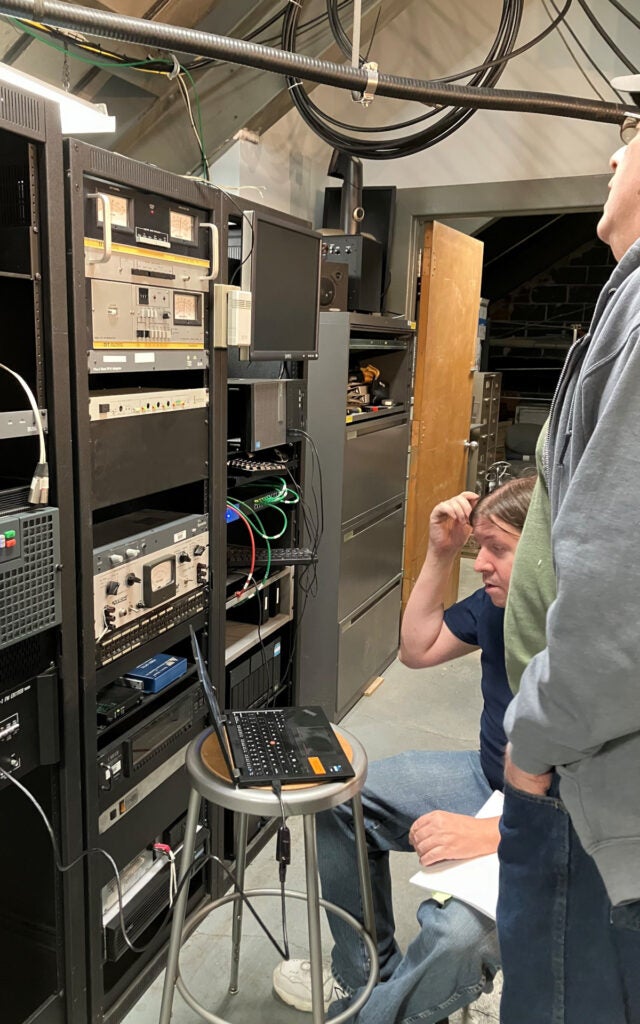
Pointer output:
601, 793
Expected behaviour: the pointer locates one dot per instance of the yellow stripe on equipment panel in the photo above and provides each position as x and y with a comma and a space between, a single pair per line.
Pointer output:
317, 766
133, 250
149, 344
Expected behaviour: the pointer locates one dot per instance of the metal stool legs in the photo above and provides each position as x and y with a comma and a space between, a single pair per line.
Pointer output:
313, 917
368, 917
311, 897
236, 932
179, 910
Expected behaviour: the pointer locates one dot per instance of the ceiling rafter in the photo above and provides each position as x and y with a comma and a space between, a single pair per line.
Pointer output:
153, 124
232, 97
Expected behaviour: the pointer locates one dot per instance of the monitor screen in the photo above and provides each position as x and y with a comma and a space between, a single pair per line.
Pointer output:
283, 275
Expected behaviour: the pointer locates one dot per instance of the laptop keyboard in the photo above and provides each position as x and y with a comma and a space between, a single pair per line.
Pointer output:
261, 737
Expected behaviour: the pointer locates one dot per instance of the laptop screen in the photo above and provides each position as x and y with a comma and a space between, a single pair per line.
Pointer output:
212, 701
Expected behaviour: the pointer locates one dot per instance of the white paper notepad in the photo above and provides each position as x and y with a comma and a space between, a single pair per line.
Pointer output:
473, 881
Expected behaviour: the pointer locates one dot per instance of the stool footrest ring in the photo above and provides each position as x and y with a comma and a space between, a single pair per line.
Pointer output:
232, 897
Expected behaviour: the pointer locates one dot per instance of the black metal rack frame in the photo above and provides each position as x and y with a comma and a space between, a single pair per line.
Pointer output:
113, 991
37, 122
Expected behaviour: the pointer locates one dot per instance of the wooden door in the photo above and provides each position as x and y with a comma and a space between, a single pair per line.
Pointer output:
445, 358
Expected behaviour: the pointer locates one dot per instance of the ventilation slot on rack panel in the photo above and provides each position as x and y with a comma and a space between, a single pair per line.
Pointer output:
18, 109
26, 659
29, 584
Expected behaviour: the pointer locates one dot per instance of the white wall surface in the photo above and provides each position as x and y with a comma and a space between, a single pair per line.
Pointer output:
437, 37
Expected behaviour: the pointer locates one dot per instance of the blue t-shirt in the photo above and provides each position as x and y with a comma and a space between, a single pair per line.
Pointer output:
477, 621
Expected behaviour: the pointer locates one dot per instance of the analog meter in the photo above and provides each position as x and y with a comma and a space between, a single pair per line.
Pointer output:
182, 226
159, 581
186, 307
120, 211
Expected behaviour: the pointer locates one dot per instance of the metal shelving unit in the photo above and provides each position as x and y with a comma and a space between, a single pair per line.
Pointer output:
351, 626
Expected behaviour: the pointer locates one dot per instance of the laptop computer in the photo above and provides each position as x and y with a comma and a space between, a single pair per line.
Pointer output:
283, 744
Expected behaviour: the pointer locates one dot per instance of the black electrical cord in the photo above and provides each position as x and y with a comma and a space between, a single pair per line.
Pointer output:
306, 26
313, 526
561, 16
338, 32
607, 38
316, 118
303, 433
450, 121
627, 14
584, 51
91, 852
283, 857
198, 862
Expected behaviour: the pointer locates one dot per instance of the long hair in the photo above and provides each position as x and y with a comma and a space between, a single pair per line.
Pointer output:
509, 502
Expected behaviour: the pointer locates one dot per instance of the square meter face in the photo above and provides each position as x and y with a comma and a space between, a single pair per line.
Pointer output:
159, 580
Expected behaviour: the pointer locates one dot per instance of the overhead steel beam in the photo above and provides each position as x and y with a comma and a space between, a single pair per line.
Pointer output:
308, 69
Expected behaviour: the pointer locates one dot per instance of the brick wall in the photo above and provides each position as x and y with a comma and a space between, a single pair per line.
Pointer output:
561, 296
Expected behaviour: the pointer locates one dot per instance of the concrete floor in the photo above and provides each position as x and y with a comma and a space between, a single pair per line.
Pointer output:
437, 709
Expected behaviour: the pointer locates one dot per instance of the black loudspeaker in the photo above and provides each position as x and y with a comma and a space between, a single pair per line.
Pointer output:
334, 286
379, 204
363, 257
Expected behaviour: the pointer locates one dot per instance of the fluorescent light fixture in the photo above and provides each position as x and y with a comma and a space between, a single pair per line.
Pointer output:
77, 117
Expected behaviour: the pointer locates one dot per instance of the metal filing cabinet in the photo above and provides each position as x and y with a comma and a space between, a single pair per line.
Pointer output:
350, 629
484, 428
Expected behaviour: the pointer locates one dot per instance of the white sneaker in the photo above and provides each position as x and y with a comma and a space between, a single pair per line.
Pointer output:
292, 983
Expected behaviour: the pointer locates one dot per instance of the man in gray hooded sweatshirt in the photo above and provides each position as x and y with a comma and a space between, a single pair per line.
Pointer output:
569, 908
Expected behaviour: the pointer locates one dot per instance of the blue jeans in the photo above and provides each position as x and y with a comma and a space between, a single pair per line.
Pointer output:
455, 954
568, 958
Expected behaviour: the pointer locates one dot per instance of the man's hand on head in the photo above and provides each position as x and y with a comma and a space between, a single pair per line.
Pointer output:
537, 785
449, 526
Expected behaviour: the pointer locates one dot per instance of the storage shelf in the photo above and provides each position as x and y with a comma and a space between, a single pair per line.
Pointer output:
106, 733
233, 601
372, 323
398, 344
240, 637
363, 417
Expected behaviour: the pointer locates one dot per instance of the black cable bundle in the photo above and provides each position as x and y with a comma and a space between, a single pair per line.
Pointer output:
453, 118
484, 75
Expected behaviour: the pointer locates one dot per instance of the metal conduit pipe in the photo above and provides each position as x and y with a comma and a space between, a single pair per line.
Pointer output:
237, 51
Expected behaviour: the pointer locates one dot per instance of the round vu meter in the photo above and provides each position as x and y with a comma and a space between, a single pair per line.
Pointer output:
159, 581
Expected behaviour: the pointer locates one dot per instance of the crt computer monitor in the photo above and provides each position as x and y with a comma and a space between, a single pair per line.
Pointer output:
281, 269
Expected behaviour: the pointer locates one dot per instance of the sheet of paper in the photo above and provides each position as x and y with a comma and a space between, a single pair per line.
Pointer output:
473, 881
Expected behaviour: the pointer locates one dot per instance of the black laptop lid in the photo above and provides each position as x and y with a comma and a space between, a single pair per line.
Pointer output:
212, 701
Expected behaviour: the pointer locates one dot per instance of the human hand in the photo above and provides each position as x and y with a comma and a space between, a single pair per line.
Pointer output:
537, 785
449, 526
442, 835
